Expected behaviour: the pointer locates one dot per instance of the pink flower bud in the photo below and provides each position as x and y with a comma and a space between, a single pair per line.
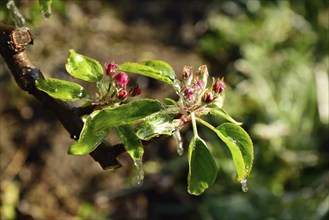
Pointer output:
208, 97
187, 72
111, 68
121, 79
199, 85
202, 74
187, 75
122, 94
188, 93
135, 91
219, 86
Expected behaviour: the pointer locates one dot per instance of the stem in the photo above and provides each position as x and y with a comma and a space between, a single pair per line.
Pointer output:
18, 18
195, 130
206, 124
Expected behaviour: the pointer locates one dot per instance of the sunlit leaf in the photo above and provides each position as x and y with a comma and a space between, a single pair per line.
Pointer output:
90, 137
156, 69
99, 123
155, 126
169, 101
132, 143
164, 68
240, 145
202, 167
85, 68
60, 89
215, 110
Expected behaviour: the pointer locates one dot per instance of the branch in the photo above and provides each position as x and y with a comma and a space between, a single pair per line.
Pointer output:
13, 43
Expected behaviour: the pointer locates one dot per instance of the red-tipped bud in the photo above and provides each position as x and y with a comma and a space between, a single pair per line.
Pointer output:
111, 68
121, 79
187, 72
219, 86
199, 85
202, 72
122, 94
188, 93
208, 97
135, 91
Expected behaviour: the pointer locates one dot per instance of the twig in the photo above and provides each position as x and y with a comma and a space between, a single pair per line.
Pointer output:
13, 43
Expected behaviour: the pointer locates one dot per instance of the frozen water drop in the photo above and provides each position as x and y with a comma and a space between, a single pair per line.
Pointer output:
140, 171
244, 185
179, 142
177, 86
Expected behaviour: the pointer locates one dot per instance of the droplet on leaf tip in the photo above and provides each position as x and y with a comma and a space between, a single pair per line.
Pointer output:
244, 186
140, 171
179, 143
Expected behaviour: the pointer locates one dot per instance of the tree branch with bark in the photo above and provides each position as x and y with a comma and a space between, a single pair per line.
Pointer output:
13, 43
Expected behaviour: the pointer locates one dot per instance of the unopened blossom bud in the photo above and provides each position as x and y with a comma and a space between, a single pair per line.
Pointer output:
188, 93
122, 94
121, 79
187, 74
208, 97
199, 85
202, 74
219, 86
111, 68
135, 91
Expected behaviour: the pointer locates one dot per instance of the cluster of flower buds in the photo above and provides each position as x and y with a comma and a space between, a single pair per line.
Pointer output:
214, 91
194, 84
194, 87
120, 81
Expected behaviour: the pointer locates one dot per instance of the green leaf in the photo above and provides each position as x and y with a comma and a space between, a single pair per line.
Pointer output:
240, 145
132, 143
132, 112
164, 68
169, 101
155, 126
98, 123
90, 137
156, 69
45, 7
215, 110
82, 67
60, 89
202, 167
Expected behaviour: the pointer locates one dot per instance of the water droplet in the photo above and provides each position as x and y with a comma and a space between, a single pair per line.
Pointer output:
179, 142
244, 185
177, 86
140, 171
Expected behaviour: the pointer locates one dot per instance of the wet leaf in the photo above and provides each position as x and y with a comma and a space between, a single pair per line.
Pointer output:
60, 89
99, 123
202, 167
155, 69
85, 68
155, 126
215, 110
132, 143
240, 145
90, 137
